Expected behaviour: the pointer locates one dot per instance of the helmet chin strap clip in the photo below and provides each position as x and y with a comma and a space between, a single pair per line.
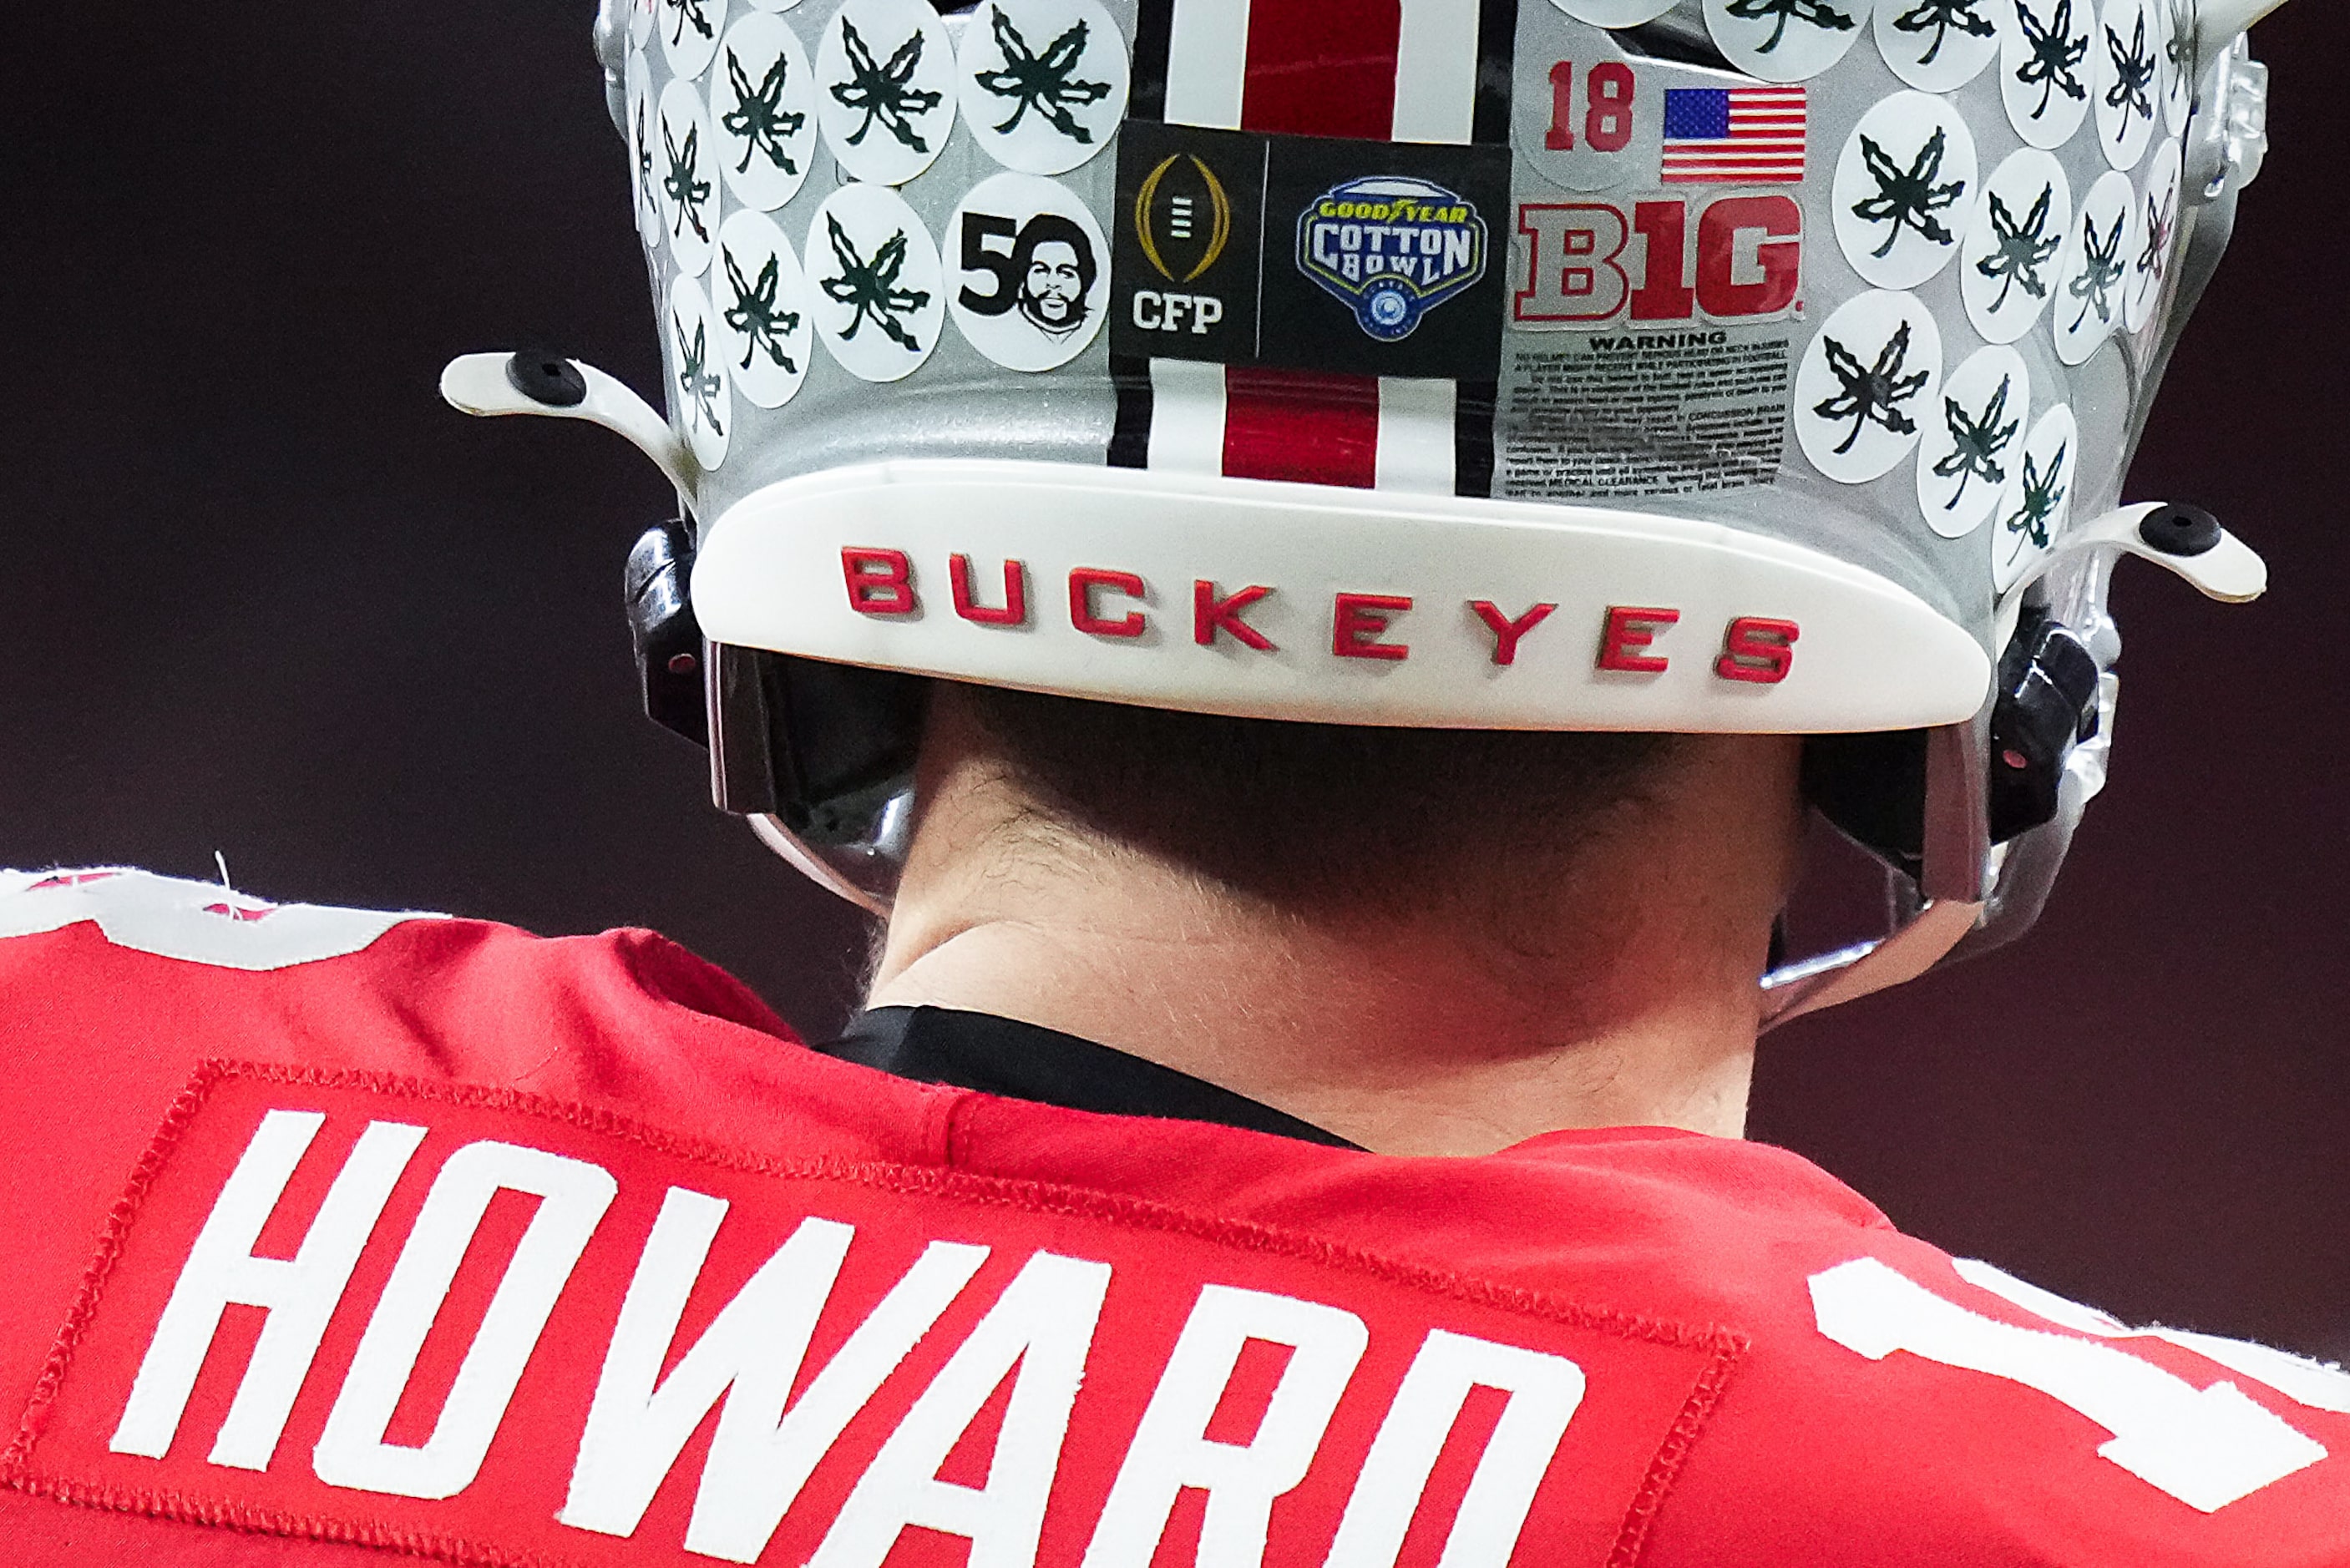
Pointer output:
2039, 751
2185, 541
562, 389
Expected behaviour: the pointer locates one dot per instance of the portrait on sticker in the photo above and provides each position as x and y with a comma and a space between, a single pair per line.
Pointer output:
1034, 285
1044, 82
875, 282
763, 105
1786, 40
886, 88
1869, 377
761, 296
701, 406
1904, 186
1973, 440
2044, 70
2008, 261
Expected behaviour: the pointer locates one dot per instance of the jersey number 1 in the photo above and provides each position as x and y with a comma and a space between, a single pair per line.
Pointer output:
2206, 1447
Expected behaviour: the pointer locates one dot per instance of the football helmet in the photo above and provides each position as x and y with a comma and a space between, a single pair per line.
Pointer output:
1735, 366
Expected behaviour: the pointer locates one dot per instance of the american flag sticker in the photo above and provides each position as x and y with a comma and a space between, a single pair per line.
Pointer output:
1733, 136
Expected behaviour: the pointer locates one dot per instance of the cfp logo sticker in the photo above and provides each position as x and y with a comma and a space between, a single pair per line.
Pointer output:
1392, 249
1183, 220
1034, 288
1307, 253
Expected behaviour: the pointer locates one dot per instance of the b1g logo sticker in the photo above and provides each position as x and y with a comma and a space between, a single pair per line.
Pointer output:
1035, 286
1580, 269
1392, 250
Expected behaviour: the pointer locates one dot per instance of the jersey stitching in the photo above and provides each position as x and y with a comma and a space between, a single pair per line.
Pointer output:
1725, 1345
180, 1507
948, 1115
184, 1106
1665, 1468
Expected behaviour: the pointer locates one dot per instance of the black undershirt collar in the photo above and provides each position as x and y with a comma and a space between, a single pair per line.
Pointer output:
1021, 1061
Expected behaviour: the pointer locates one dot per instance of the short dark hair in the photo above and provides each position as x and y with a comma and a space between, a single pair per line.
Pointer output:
1301, 815
1050, 228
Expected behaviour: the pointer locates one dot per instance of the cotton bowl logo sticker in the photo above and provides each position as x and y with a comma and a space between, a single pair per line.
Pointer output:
1393, 249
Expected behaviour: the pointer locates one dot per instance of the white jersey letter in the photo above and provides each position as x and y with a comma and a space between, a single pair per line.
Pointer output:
573, 1196
299, 1292
640, 1420
1171, 1449
1043, 1322
1544, 1392
763, 1454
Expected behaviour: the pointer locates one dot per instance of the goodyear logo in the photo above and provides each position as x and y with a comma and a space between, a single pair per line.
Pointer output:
1392, 249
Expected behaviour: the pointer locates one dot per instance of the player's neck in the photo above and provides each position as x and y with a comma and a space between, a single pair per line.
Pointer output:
1626, 997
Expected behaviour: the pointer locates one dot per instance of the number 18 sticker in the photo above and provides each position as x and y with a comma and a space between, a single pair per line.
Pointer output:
1595, 128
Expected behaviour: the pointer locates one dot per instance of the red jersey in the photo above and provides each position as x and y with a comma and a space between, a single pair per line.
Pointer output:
328, 1232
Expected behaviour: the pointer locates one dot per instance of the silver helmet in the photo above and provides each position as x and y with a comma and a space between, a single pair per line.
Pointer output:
1740, 366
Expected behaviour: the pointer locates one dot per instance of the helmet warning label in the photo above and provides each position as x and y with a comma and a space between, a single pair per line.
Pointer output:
1642, 413
1309, 252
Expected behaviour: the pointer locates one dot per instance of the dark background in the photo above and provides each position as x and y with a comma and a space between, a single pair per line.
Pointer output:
267, 595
